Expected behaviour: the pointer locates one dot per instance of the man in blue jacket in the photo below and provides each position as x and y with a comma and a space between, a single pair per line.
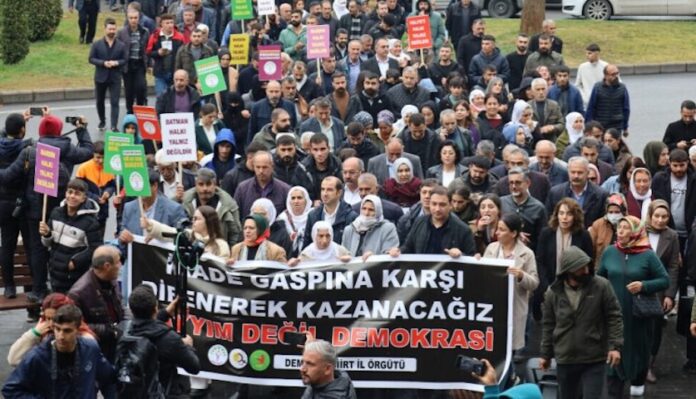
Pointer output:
64, 366
564, 93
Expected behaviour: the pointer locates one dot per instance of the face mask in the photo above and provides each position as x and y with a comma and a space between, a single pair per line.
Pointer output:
614, 218
583, 280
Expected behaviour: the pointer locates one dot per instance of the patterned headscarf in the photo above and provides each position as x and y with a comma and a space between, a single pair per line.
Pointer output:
638, 242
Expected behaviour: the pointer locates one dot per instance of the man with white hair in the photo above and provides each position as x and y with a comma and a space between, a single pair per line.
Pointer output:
546, 111
548, 27
319, 374
589, 196
547, 163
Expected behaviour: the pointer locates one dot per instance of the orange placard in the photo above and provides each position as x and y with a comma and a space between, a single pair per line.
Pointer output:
148, 122
419, 34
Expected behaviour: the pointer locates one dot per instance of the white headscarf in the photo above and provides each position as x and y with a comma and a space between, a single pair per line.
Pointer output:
517, 111
407, 110
328, 253
364, 223
573, 134
299, 221
268, 206
399, 162
646, 198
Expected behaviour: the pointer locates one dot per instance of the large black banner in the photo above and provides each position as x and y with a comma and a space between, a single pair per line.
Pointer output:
395, 323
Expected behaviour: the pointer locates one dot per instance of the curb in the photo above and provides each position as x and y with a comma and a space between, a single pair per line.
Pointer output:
87, 93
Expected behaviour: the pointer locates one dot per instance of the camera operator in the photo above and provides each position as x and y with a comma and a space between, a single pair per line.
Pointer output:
319, 374
50, 129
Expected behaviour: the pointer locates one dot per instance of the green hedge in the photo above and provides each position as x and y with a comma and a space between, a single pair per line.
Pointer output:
45, 17
14, 39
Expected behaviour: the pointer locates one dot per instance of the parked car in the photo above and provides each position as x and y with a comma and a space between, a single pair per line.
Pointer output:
496, 8
605, 9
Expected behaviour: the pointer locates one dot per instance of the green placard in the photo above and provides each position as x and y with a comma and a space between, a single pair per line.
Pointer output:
112, 157
241, 10
135, 176
210, 76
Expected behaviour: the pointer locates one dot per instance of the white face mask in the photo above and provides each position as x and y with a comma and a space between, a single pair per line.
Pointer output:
614, 218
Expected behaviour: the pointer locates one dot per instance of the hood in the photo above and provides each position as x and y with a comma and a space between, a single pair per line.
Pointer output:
90, 207
10, 148
131, 119
572, 259
495, 54
226, 135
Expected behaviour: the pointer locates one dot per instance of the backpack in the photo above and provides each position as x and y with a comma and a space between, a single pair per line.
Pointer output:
137, 367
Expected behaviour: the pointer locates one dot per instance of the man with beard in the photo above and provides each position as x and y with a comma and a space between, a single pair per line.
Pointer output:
262, 185
516, 60
547, 164
489, 55
386, 28
242, 171
609, 102
326, 17
381, 62
548, 28
280, 123
354, 22
353, 64
565, 94
343, 106
437, 25
543, 56
399, 14
320, 375
588, 195
289, 88
351, 169
308, 88
578, 302
530, 209
287, 163
188, 54
357, 140
682, 133
323, 122
407, 92
294, 37
376, 16
470, 45
328, 68
109, 56
340, 48
460, 18
476, 179
546, 112
370, 98
262, 109
320, 163
421, 141
443, 66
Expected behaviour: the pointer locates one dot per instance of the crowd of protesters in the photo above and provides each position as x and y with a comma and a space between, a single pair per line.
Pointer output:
456, 150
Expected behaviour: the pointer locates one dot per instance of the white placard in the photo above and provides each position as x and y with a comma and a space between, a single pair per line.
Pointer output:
266, 7
178, 137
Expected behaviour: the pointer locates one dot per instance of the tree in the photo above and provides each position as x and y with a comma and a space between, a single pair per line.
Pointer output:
533, 14
14, 39
45, 17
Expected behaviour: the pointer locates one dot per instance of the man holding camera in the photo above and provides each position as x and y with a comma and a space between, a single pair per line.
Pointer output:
582, 327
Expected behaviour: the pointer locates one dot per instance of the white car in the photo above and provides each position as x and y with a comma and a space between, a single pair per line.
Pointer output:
604, 9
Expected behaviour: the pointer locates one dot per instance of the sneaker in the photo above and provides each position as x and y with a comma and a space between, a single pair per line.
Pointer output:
637, 390
102, 125
10, 292
651, 378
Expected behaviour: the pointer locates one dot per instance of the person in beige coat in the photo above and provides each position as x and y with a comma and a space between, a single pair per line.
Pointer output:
255, 244
510, 246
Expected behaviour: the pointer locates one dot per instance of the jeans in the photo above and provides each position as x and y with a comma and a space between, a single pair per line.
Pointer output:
163, 82
87, 20
577, 381
135, 86
114, 88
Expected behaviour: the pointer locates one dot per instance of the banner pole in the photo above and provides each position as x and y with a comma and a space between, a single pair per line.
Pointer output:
319, 69
142, 208
422, 57
181, 172
45, 206
118, 185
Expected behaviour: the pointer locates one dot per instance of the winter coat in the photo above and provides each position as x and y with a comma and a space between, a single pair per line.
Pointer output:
274, 252
72, 239
124, 36
481, 61
333, 169
185, 59
216, 164
338, 130
261, 115
344, 217
646, 268
10, 148
227, 210
546, 253
574, 101
295, 174
163, 65
366, 150
249, 191
456, 235
32, 378
377, 240
166, 102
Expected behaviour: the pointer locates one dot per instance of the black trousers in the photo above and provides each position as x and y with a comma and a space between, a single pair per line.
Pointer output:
616, 385
114, 87
88, 20
9, 231
135, 86
38, 262
577, 381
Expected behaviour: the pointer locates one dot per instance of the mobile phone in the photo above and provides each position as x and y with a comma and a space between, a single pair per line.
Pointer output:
470, 365
36, 111
292, 338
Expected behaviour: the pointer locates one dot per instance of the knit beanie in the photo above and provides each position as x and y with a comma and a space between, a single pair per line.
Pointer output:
50, 126
572, 259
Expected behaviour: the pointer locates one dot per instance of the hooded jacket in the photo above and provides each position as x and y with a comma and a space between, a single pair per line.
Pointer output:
340, 388
72, 239
481, 60
221, 167
583, 335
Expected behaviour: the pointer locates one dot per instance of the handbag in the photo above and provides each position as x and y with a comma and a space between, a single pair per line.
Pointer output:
645, 306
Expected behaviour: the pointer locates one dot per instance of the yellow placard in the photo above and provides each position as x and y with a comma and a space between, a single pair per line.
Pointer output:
239, 49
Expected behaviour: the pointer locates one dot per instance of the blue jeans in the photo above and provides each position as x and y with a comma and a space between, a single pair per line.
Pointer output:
163, 82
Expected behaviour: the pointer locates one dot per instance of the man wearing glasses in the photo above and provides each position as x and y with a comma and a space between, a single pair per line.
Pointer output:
609, 102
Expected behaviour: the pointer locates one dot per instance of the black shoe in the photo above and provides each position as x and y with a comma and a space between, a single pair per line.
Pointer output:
102, 124
36, 297
114, 129
82, 39
10, 292
690, 366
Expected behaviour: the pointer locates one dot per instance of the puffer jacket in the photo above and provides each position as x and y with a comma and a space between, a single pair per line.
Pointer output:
10, 148
73, 238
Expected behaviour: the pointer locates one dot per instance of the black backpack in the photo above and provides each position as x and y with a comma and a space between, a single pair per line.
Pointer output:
137, 367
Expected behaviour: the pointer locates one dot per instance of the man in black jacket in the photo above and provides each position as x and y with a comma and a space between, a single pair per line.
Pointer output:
470, 45
287, 164
332, 209
135, 37
172, 350
320, 163
167, 101
682, 133
109, 56
460, 17
438, 233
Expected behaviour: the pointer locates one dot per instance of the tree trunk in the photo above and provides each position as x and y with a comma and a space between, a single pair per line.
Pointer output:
533, 14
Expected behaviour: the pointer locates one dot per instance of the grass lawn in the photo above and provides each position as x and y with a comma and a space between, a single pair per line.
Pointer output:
62, 61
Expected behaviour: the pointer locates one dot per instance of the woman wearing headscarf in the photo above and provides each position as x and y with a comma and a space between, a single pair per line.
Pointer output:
404, 188
396, 52
639, 193
665, 242
384, 131
255, 245
656, 156
297, 207
236, 118
370, 233
278, 234
603, 230
431, 114
477, 102
632, 268
406, 113
522, 114
574, 126
323, 247
620, 183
